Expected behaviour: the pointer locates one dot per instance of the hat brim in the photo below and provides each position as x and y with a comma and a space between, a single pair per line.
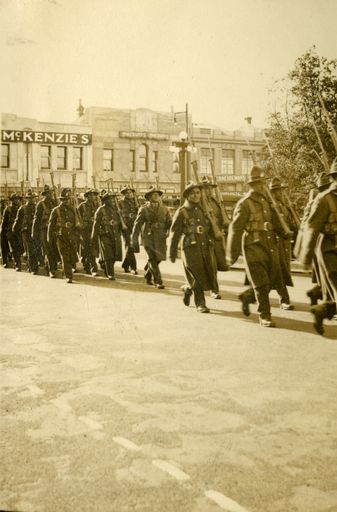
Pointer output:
149, 192
188, 190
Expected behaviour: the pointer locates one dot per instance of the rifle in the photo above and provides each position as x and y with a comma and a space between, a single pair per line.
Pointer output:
218, 235
135, 193
283, 223
22, 185
323, 158
53, 187
331, 128
38, 186
124, 226
225, 219
75, 201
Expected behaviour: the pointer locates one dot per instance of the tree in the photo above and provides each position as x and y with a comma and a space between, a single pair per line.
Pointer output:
300, 137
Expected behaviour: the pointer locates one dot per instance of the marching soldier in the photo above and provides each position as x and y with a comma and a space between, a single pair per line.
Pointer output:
129, 209
107, 228
156, 219
192, 225
40, 228
87, 211
219, 245
284, 245
64, 225
23, 227
320, 237
10, 242
254, 227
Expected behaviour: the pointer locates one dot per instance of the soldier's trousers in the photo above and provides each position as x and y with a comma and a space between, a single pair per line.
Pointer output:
129, 261
5, 249
88, 253
16, 247
49, 251
67, 249
108, 249
152, 267
31, 251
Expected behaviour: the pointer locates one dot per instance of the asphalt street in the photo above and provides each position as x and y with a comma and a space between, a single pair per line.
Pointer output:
116, 397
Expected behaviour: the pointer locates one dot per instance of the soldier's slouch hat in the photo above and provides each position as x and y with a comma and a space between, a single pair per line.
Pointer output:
256, 174
276, 184
126, 189
206, 182
46, 190
106, 196
151, 190
90, 192
65, 194
14, 196
30, 194
191, 186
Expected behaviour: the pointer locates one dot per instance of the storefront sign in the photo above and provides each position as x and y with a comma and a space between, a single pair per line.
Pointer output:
144, 135
76, 139
232, 177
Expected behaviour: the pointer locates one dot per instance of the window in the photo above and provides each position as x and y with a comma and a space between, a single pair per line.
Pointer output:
132, 161
143, 158
205, 165
108, 164
61, 157
45, 152
154, 161
77, 158
247, 162
206, 131
5, 155
227, 161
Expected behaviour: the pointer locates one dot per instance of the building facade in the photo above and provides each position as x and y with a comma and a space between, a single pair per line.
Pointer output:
108, 148
32, 150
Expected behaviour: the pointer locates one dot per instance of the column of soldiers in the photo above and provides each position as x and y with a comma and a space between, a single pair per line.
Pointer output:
257, 231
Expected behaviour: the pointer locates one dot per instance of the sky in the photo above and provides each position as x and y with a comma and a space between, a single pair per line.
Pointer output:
222, 57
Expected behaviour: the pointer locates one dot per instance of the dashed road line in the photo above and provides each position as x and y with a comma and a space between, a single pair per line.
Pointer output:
224, 502
129, 445
172, 470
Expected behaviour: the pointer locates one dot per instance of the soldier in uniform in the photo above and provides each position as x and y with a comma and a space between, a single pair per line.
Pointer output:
219, 245
156, 219
87, 211
320, 237
64, 225
284, 245
23, 227
107, 228
129, 209
192, 225
254, 227
10, 242
40, 228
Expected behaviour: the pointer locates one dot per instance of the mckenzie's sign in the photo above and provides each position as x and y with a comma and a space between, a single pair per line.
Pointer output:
76, 139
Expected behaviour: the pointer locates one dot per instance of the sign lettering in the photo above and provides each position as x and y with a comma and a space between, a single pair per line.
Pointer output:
144, 135
80, 139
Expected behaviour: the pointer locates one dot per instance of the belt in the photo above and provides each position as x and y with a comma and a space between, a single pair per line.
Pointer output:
68, 225
200, 230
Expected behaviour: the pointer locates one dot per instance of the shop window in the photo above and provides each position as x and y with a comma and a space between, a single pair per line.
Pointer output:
132, 160
108, 164
227, 161
143, 158
45, 153
5, 155
154, 161
61, 157
77, 158
205, 165
247, 162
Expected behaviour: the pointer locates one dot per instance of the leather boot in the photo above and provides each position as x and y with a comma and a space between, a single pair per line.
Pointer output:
315, 294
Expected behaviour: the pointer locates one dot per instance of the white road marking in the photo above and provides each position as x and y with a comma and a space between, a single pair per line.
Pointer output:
126, 443
224, 502
172, 470
91, 423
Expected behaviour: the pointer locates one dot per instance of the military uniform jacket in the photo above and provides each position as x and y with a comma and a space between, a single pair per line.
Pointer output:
24, 219
284, 245
107, 223
156, 222
87, 212
219, 245
321, 227
191, 224
253, 232
129, 211
63, 223
42, 215
8, 218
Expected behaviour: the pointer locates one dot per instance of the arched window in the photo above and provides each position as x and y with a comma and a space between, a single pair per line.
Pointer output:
143, 158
